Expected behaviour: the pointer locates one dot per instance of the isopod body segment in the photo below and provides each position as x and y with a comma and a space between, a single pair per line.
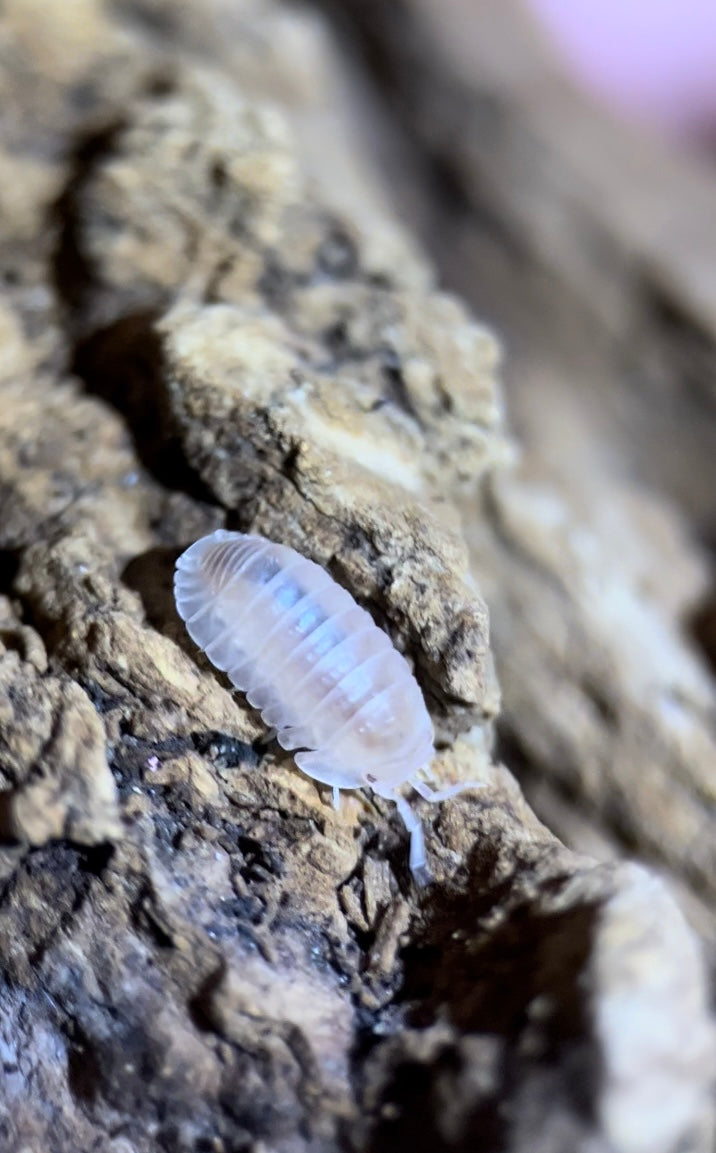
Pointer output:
315, 664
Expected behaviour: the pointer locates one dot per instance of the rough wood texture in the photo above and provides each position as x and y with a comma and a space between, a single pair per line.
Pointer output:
593, 246
593, 249
196, 952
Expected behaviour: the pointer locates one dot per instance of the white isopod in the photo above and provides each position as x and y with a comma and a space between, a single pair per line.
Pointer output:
319, 669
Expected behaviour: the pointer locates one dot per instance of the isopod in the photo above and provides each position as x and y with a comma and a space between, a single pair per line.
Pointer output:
323, 675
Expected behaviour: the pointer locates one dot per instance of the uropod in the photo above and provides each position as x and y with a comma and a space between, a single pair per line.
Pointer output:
316, 666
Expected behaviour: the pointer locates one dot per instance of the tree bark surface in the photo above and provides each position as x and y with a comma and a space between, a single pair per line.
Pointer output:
209, 317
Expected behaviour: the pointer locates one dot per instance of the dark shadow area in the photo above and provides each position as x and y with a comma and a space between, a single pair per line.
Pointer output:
151, 575
200, 1006
81, 1066
484, 980
701, 624
414, 1101
224, 751
122, 364
73, 272
118, 360
516, 990
702, 627
8, 837
9, 564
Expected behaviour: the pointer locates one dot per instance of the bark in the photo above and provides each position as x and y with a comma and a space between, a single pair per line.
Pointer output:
208, 317
591, 247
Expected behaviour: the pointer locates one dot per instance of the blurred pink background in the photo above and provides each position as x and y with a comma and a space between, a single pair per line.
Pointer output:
653, 60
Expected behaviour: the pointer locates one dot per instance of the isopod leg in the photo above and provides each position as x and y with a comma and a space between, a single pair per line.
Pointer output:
435, 795
336, 798
265, 740
412, 822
